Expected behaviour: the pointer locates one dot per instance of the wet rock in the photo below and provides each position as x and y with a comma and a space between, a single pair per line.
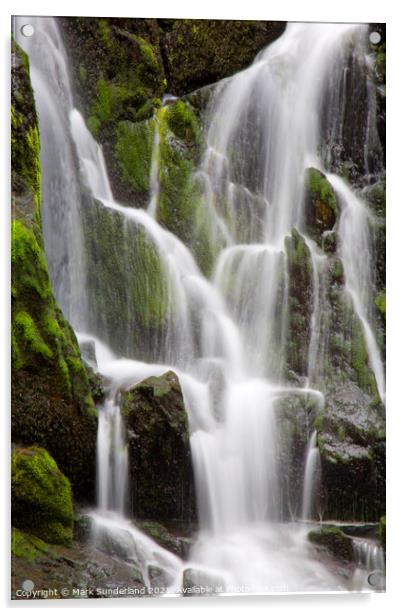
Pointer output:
320, 204
88, 353
82, 528
196, 582
80, 569
170, 540
300, 271
351, 441
41, 496
161, 472
157, 577
335, 541
97, 385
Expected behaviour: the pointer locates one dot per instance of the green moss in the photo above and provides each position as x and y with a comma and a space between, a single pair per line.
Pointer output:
319, 185
359, 360
105, 34
182, 121
381, 531
83, 74
341, 434
380, 302
148, 54
26, 546
41, 496
150, 291
94, 124
134, 152
29, 334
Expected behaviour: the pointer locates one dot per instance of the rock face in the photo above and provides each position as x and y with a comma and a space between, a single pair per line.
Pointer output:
161, 472
52, 404
123, 67
352, 448
41, 496
300, 271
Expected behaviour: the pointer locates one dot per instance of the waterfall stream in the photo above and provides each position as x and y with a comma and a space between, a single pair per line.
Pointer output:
244, 538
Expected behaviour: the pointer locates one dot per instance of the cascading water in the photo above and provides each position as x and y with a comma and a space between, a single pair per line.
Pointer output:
264, 131
311, 477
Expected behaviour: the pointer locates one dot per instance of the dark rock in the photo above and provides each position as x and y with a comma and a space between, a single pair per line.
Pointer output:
335, 541
200, 52
97, 385
161, 472
352, 446
300, 272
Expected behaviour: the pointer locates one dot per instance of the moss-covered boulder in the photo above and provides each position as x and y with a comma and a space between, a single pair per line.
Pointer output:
300, 293
334, 541
161, 472
320, 204
52, 404
41, 496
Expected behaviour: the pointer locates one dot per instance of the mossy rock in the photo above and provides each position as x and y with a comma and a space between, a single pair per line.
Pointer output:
300, 272
52, 404
41, 496
320, 204
335, 541
125, 273
161, 472
26, 546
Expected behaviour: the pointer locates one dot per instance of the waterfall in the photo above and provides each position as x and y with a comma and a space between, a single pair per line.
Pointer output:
311, 477
356, 250
370, 561
264, 131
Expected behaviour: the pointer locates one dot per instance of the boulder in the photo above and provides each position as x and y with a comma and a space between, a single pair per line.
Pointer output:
41, 496
334, 541
161, 472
